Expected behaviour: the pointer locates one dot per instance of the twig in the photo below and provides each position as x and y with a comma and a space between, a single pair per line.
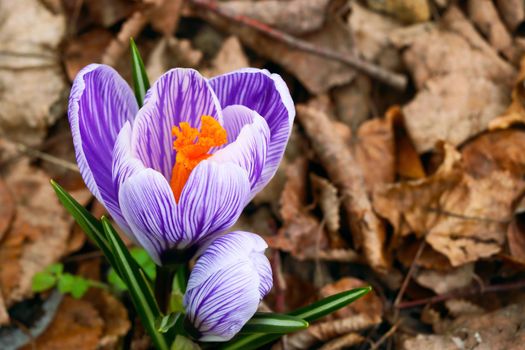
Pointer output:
409, 274
395, 80
462, 293
385, 336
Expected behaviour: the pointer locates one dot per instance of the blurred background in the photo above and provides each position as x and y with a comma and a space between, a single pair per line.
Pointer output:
405, 169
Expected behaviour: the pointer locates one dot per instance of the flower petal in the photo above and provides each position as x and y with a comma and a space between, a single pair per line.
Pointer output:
149, 207
211, 201
124, 166
99, 105
250, 146
178, 95
268, 95
224, 287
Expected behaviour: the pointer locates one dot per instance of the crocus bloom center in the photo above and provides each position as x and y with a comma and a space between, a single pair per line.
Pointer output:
192, 147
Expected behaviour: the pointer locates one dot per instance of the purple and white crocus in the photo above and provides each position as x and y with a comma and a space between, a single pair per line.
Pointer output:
178, 171
226, 285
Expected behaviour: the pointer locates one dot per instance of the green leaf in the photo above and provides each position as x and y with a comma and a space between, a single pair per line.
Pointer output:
145, 262
165, 323
43, 281
183, 343
116, 281
138, 285
176, 298
87, 222
140, 78
309, 313
56, 268
266, 322
77, 286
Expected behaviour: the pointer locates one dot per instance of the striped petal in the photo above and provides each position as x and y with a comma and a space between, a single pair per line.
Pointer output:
180, 95
249, 148
99, 105
268, 95
224, 287
211, 201
149, 207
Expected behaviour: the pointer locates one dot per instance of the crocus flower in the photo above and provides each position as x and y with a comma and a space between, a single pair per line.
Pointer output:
179, 170
226, 286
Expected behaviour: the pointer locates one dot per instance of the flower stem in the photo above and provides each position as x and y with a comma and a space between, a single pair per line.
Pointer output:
163, 284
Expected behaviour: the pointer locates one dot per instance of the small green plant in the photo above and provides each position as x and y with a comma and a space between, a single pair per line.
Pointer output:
67, 283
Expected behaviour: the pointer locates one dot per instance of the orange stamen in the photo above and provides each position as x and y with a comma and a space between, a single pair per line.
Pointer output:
192, 147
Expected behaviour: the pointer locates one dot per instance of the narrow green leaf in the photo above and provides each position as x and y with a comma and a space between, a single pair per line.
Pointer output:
165, 323
330, 304
140, 78
145, 262
309, 313
138, 285
43, 281
266, 322
87, 222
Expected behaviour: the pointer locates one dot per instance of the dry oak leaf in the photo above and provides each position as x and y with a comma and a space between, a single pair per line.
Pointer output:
230, 57
7, 208
30, 56
345, 172
445, 281
500, 329
408, 11
334, 34
462, 82
515, 113
39, 233
460, 216
77, 325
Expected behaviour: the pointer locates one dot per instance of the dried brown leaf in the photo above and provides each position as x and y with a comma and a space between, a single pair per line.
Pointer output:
170, 53
445, 281
30, 56
38, 235
165, 17
294, 16
463, 84
500, 329
408, 11
325, 193
7, 208
230, 57
77, 325
346, 173
343, 342
334, 34
512, 12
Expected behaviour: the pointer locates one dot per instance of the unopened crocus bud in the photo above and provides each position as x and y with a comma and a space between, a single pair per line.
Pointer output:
226, 286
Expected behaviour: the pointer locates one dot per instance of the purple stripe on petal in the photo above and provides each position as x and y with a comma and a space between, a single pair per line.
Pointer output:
250, 147
99, 104
224, 289
211, 200
180, 95
268, 95
149, 207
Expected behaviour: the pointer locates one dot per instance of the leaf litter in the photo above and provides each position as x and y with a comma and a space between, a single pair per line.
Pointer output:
418, 191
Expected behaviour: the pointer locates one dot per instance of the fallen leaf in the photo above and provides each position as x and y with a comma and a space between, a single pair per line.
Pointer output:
108, 12
38, 235
462, 82
230, 57
486, 18
460, 216
325, 193
500, 329
516, 238
408, 11
512, 12
77, 325
171, 53
30, 56
294, 16
462, 307
7, 209
334, 34
445, 281
85, 49
165, 17
346, 174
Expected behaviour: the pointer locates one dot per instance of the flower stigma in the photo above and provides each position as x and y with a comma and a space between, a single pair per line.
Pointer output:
192, 147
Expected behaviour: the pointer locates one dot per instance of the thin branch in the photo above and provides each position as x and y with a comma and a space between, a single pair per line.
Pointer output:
462, 293
409, 274
395, 80
385, 336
